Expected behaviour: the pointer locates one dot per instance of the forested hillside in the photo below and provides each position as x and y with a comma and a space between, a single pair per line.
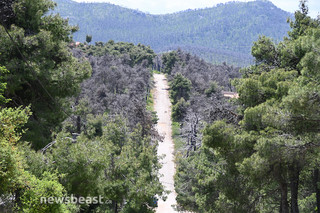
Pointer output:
224, 33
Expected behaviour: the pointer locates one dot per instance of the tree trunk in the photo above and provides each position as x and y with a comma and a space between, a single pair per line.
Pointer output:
315, 183
294, 172
18, 197
78, 124
78, 119
115, 206
278, 174
284, 198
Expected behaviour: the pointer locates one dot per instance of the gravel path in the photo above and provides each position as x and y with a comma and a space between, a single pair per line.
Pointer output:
162, 106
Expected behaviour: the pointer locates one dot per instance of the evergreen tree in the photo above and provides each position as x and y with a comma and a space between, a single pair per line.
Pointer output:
44, 72
180, 88
88, 38
169, 60
269, 162
20, 190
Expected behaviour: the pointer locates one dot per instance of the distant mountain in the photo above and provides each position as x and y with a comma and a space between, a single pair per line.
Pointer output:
218, 34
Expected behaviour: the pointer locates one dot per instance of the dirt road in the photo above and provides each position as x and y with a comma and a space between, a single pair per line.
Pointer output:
162, 106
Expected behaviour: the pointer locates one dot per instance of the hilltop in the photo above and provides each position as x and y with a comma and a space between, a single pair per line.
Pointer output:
221, 33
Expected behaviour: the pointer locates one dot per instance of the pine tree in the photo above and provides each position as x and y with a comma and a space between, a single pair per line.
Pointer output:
43, 71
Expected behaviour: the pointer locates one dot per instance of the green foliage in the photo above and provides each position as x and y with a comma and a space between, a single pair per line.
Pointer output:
3, 85
302, 22
28, 14
213, 89
156, 72
13, 175
180, 87
280, 110
11, 161
250, 92
38, 189
44, 72
196, 175
265, 86
108, 157
200, 174
307, 204
88, 38
169, 60
269, 162
137, 53
220, 34
179, 110
116, 164
150, 107
218, 136
264, 51
178, 142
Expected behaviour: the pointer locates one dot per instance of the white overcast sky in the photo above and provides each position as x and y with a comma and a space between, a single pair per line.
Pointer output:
170, 6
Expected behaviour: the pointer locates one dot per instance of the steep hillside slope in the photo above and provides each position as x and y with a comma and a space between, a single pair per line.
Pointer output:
221, 33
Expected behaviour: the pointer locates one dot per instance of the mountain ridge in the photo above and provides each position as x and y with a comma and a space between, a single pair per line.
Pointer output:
221, 33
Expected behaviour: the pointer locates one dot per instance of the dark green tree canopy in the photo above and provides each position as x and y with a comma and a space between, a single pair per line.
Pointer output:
43, 70
269, 161
180, 88
88, 38
169, 60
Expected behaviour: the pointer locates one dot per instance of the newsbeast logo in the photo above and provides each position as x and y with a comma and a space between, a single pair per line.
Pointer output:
74, 200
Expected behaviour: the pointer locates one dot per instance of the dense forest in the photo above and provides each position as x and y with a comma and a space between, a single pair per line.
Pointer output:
71, 125
260, 152
224, 33
77, 119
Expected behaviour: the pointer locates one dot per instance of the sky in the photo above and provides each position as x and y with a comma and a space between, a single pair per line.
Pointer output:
170, 6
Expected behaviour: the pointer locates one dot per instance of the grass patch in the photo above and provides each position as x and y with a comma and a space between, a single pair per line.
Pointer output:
150, 102
155, 71
177, 140
179, 143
